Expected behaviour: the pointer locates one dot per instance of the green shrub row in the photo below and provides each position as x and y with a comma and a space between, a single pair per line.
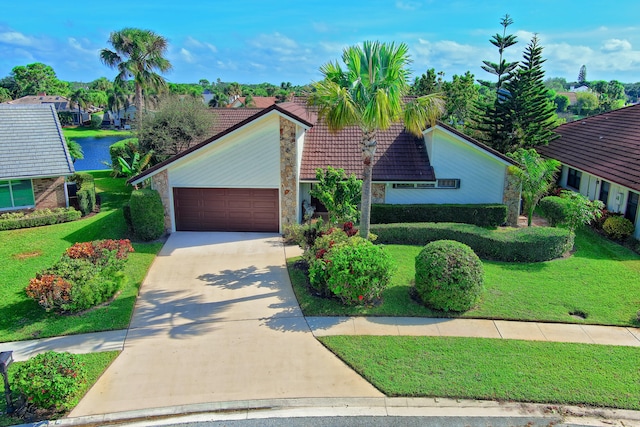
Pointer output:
487, 215
15, 220
554, 209
146, 213
86, 192
531, 244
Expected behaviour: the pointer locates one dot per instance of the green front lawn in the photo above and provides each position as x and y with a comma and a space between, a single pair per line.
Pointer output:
96, 364
475, 368
26, 251
87, 132
601, 279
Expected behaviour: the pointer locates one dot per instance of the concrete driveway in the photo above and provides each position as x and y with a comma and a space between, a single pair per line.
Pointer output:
217, 320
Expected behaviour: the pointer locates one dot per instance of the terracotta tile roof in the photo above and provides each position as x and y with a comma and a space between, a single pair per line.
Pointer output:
606, 145
400, 156
225, 118
260, 101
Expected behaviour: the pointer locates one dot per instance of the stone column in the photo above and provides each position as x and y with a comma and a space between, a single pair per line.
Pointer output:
160, 183
288, 172
511, 197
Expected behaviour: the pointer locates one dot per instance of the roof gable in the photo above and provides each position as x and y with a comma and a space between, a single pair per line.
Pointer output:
606, 145
32, 143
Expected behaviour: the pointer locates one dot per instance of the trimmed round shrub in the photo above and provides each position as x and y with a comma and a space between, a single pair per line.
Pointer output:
147, 214
318, 258
618, 227
50, 380
554, 209
358, 272
449, 276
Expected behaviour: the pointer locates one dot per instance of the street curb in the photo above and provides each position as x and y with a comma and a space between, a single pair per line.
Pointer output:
500, 413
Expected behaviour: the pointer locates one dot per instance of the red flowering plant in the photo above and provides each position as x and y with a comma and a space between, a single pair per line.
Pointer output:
50, 291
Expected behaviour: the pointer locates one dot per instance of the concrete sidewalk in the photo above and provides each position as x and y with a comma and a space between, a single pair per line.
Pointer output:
416, 326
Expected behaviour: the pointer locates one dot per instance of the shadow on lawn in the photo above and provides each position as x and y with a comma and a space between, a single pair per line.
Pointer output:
110, 225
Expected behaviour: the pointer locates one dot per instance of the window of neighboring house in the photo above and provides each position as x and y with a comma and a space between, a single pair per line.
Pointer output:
16, 194
632, 207
441, 183
573, 178
604, 192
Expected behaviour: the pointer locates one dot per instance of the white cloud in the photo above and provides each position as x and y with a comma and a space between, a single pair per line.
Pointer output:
193, 43
78, 46
408, 5
615, 45
187, 56
276, 43
16, 38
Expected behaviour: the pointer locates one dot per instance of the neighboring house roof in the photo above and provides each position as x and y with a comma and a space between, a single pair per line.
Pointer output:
259, 101
60, 102
400, 156
31, 142
606, 145
573, 98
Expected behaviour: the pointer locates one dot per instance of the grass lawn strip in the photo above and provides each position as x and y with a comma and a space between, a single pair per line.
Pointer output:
96, 364
86, 132
26, 251
601, 279
479, 368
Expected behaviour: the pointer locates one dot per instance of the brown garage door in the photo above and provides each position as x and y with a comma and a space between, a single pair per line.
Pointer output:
226, 209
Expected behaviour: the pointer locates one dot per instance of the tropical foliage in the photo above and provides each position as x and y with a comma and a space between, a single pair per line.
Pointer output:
369, 92
338, 193
139, 55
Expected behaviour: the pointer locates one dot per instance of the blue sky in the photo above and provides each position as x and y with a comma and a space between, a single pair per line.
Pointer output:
275, 41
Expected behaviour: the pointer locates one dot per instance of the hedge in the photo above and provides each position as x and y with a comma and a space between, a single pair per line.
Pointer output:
147, 214
531, 244
487, 215
86, 191
554, 209
15, 220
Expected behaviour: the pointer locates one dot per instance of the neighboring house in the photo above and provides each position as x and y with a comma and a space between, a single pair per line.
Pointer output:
34, 159
258, 167
573, 98
600, 158
62, 105
259, 101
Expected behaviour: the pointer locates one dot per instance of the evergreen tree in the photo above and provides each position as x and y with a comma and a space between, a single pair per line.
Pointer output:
582, 75
530, 109
494, 125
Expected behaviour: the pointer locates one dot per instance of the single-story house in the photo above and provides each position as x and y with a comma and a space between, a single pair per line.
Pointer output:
258, 168
34, 159
258, 101
62, 105
600, 158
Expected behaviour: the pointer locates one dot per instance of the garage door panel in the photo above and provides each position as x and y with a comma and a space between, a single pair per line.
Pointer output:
226, 209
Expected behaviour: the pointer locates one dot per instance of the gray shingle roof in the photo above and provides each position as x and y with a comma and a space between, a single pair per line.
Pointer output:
32, 143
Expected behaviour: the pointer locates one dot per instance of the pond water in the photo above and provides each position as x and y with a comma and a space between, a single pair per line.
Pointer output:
96, 151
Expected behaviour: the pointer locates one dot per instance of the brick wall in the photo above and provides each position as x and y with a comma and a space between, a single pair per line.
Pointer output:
49, 192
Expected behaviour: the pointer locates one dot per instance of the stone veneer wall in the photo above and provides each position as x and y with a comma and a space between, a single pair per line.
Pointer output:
288, 171
378, 193
49, 192
511, 198
160, 183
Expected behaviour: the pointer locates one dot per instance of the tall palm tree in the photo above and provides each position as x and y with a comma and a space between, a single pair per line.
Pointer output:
80, 98
370, 93
138, 54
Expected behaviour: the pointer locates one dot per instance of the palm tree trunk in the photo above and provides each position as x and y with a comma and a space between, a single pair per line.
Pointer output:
138, 102
369, 145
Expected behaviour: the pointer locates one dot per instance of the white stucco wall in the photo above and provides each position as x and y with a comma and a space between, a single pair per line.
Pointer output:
248, 158
481, 174
590, 187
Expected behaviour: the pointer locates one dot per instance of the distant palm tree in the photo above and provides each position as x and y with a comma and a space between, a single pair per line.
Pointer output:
139, 54
369, 93
80, 98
